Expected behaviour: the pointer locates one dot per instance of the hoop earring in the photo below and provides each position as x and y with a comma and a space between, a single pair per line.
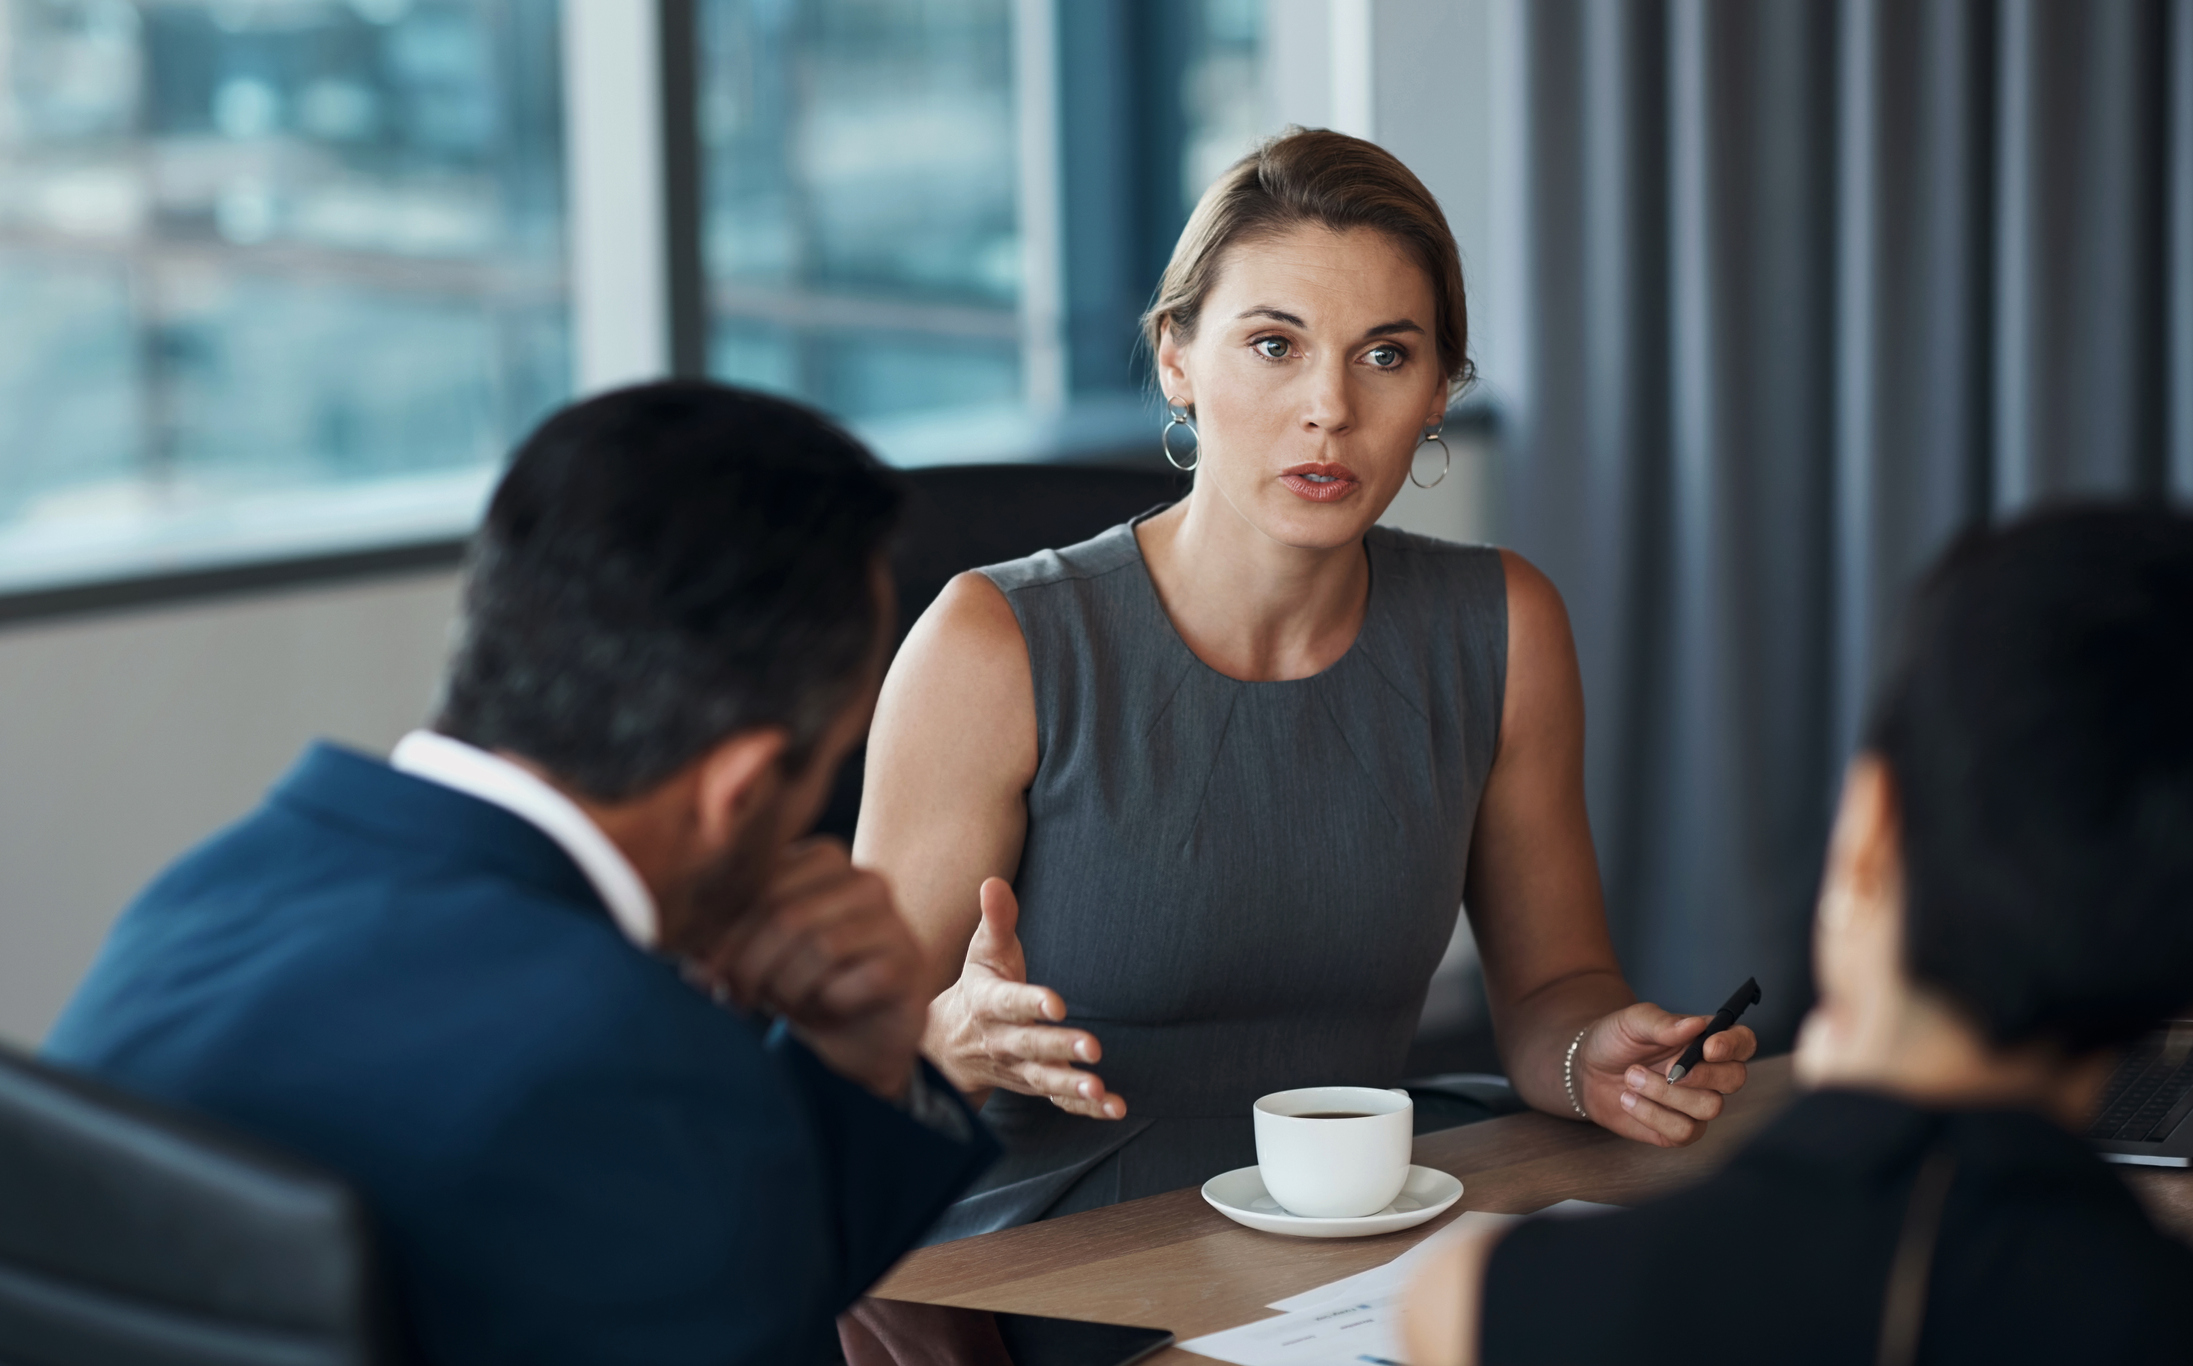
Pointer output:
1177, 416
1432, 437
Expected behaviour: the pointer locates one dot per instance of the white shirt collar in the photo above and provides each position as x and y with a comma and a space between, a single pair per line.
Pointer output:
494, 779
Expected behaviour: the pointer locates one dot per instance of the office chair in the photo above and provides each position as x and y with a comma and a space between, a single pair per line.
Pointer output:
131, 1236
959, 517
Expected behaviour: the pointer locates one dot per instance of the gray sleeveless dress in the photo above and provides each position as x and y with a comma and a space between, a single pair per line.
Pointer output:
1237, 887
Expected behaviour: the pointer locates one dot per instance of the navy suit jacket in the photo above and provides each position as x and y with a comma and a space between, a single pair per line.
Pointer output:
574, 1156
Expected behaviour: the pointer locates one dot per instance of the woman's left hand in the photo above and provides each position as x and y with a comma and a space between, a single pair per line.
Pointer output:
1622, 1074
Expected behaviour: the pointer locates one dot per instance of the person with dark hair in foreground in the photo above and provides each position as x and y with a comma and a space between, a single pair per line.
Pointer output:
2006, 903
625, 1070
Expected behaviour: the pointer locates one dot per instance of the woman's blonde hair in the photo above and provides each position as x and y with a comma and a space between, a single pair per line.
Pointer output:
1313, 175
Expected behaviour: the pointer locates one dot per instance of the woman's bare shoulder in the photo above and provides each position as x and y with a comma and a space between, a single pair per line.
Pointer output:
1535, 608
961, 687
971, 626
1544, 694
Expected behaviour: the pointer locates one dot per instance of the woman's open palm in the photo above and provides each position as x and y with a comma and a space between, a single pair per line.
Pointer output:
993, 1028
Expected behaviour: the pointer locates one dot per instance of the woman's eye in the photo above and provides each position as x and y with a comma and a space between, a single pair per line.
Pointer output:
1272, 348
1387, 357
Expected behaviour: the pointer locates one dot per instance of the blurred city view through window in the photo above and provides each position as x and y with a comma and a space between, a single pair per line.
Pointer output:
1221, 92
288, 277
865, 214
276, 275
861, 234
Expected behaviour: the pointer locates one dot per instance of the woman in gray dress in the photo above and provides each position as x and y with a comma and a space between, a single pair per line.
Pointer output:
1213, 785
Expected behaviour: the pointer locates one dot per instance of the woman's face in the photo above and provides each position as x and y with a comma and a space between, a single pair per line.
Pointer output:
1313, 373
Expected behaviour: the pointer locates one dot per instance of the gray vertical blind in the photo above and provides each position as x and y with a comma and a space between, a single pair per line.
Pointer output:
1813, 284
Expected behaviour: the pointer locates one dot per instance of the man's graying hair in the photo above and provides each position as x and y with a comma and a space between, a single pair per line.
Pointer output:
664, 567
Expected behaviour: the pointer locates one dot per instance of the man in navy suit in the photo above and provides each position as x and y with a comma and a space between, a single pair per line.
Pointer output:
626, 1070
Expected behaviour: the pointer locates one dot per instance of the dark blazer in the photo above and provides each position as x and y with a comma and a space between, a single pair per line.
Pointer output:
574, 1155
1784, 1254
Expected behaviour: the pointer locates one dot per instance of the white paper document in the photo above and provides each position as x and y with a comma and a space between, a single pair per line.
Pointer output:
1355, 1321
1339, 1334
1394, 1275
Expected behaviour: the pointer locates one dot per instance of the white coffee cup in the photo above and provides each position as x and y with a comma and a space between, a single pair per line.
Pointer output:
1334, 1168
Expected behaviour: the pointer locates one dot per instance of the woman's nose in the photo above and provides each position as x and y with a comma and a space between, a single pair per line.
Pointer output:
1326, 406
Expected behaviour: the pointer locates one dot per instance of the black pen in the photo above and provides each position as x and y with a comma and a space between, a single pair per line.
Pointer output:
1746, 995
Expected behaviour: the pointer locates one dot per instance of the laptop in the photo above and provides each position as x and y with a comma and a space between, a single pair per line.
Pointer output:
2142, 1119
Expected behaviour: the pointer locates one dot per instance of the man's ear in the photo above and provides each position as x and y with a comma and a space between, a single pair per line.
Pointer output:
733, 780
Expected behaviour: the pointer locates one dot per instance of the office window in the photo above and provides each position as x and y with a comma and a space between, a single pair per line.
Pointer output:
284, 278
860, 234
876, 213
1221, 91
1156, 97
279, 276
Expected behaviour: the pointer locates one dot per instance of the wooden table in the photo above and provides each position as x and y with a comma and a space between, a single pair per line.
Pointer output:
1171, 1261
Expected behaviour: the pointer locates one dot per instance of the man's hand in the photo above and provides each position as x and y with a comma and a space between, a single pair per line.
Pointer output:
827, 951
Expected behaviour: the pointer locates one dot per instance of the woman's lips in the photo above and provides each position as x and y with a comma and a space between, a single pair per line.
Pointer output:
1320, 483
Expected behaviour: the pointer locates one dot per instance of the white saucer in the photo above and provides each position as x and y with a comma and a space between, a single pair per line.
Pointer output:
1241, 1197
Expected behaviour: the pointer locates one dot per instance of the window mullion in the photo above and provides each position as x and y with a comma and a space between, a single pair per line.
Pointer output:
1042, 226
620, 278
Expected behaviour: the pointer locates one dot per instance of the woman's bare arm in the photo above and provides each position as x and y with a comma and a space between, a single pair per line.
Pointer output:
1533, 891
943, 812
950, 756
1540, 919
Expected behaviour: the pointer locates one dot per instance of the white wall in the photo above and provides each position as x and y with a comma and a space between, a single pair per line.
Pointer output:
126, 738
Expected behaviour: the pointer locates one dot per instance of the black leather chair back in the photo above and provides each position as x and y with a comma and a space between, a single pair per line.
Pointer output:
960, 517
130, 1236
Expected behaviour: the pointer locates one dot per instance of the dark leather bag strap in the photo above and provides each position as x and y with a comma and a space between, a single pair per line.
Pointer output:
1903, 1308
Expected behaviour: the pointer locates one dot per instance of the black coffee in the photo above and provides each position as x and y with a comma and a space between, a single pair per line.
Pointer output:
1336, 1114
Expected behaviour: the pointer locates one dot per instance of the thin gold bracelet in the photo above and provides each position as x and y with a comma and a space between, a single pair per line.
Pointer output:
1568, 1075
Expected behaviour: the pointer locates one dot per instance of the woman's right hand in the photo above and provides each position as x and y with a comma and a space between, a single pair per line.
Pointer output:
993, 1029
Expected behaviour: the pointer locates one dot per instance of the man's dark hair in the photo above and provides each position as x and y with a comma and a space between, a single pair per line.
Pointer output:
663, 567
2039, 726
